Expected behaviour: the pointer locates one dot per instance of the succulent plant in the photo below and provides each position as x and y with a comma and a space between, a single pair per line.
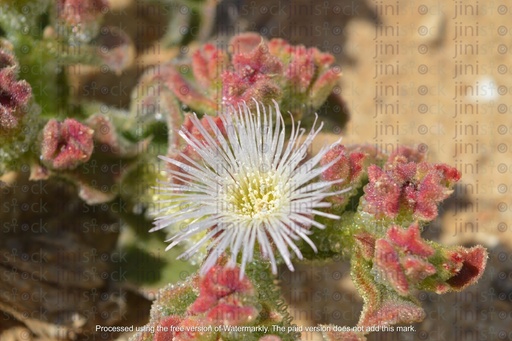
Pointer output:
236, 180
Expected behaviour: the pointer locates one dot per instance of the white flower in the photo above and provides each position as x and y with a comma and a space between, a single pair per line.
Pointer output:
251, 190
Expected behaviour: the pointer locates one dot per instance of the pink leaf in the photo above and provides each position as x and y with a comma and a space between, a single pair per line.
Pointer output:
388, 267
410, 240
165, 332
473, 266
66, 145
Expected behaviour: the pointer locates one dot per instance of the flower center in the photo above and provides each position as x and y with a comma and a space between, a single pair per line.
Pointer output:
254, 195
